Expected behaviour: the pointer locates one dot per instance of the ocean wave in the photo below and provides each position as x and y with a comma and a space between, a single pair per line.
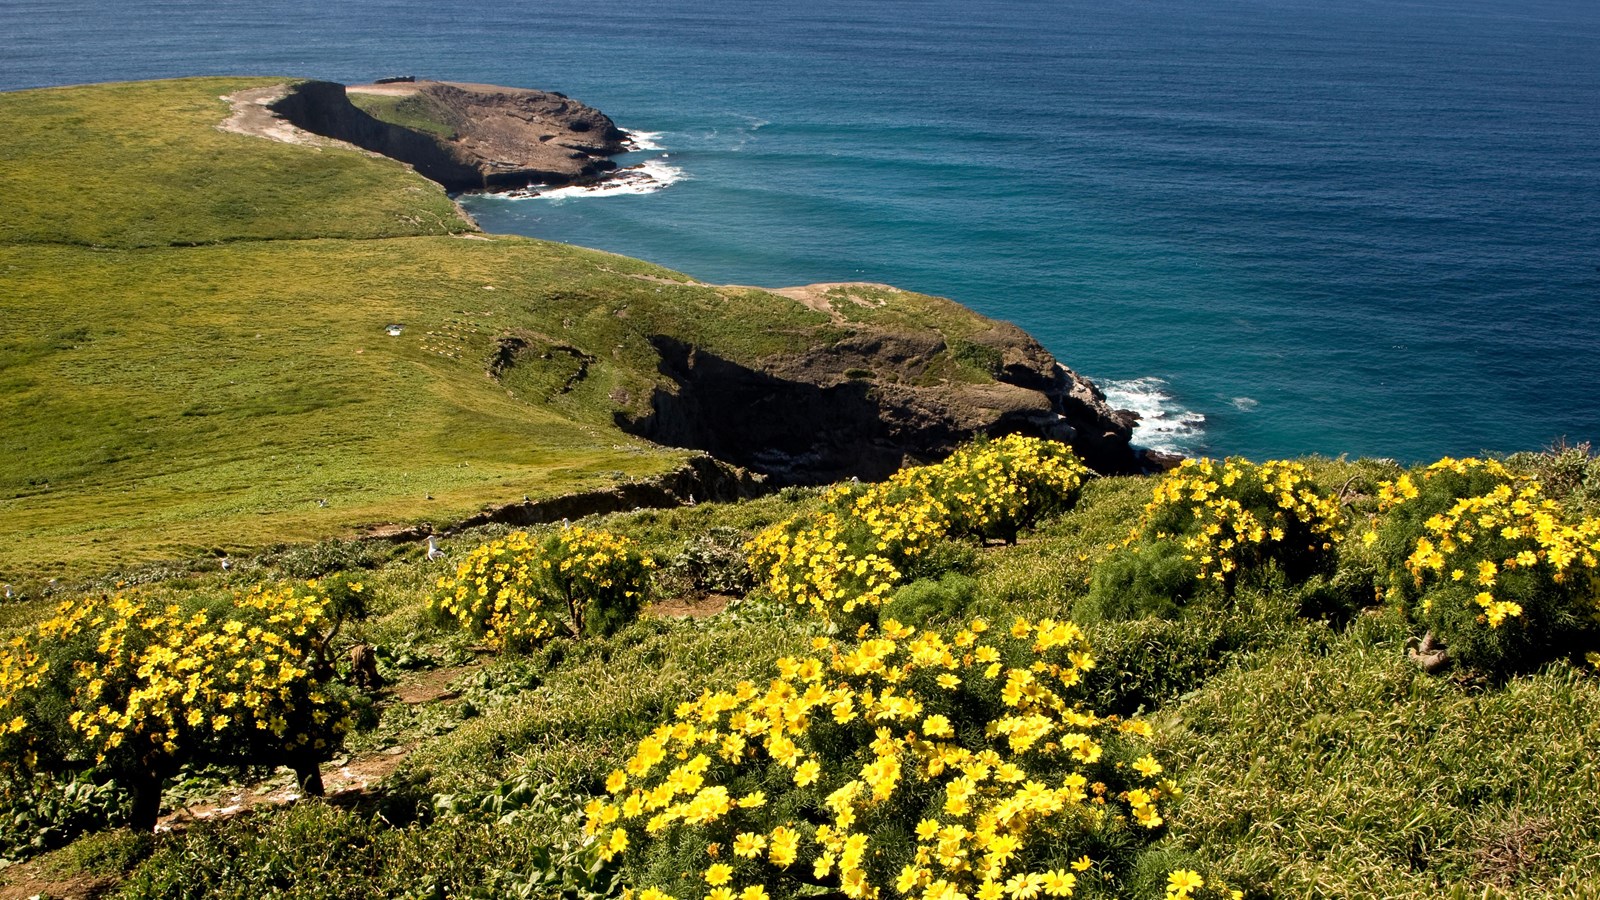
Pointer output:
1245, 404
643, 141
645, 178
1164, 424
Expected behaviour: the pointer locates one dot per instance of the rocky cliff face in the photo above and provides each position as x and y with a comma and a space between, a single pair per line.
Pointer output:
490, 137
870, 403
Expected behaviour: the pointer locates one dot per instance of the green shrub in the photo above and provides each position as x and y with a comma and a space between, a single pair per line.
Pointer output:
1488, 565
135, 688
714, 561
516, 593
41, 812
312, 851
915, 763
1144, 579
307, 851
944, 597
109, 853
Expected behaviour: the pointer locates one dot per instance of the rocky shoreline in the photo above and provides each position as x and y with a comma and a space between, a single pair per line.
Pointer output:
861, 406
466, 137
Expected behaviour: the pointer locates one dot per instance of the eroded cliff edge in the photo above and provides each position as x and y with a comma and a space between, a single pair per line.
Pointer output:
876, 399
463, 136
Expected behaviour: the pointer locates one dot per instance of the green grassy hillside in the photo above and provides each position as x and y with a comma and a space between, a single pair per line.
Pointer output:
1314, 759
204, 364
195, 349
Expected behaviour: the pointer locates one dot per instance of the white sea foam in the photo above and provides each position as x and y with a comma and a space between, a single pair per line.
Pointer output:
1245, 404
645, 178
1163, 423
643, 141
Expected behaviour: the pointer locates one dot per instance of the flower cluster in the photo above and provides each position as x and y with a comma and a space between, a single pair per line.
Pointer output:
1187, 884
942, 768
1233, 514
147, 685
516, 592
1468, 539
855, 551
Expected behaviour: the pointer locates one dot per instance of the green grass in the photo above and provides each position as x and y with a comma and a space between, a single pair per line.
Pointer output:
144, 165
165, 401
415, 112
1348, 772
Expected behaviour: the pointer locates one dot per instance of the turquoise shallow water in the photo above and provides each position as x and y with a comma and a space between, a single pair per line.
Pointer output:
1275, 227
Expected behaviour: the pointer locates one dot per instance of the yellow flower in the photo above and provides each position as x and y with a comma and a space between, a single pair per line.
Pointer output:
806, 773
718, 874
749, 845
1182, 881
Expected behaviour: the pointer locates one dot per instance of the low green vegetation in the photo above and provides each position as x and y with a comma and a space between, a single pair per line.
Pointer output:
144, 165
414, 111
996, 678
1268, 735
198, 358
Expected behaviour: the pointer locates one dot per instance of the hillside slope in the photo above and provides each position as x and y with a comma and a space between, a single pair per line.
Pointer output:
197, 353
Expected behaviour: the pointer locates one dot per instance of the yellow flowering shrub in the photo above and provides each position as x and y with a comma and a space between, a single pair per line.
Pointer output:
1233, 515
906, 764
1503, 575
849, 557
516, 592
136, 688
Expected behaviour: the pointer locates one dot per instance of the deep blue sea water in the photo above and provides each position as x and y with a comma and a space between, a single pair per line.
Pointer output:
1275, 226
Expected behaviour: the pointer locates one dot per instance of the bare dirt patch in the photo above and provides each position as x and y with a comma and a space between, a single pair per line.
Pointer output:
427, 687
253, 116
694, 607
32, 880
816, 295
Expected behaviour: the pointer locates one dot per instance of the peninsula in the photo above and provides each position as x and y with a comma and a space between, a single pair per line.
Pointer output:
242, 342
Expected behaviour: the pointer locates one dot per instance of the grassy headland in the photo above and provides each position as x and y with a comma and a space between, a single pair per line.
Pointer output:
184, 374
196, 351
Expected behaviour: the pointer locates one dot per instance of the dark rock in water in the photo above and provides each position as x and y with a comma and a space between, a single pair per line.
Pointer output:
500, 137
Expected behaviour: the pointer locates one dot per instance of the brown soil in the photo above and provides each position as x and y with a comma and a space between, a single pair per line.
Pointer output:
426, 687
31, 880
695, 607
356, 775
253, 116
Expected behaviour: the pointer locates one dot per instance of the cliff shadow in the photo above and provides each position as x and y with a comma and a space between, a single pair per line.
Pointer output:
794, 432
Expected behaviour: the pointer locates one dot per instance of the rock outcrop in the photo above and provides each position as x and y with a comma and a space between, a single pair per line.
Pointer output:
872, 402
482, 136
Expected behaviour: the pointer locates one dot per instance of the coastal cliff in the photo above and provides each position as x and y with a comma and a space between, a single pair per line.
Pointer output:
314, 342
463, 136
877, 399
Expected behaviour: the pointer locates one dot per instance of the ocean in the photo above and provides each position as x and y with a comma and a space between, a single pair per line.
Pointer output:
1273, 227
